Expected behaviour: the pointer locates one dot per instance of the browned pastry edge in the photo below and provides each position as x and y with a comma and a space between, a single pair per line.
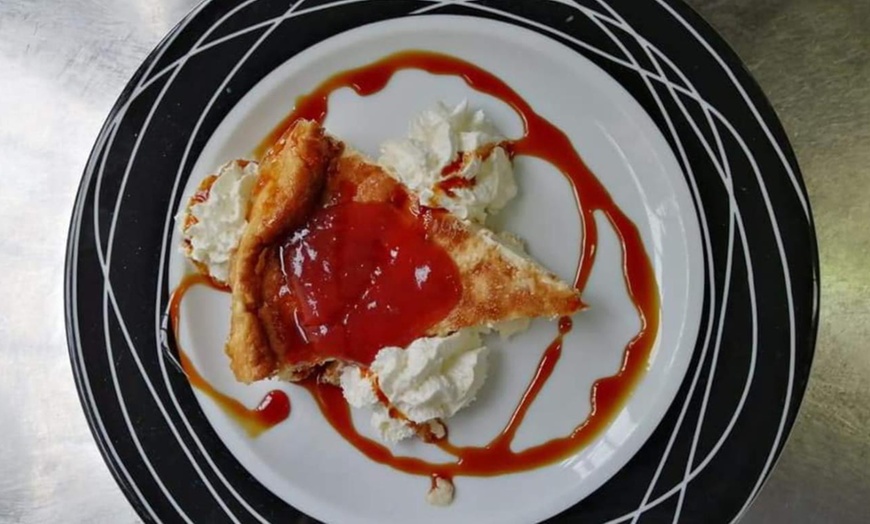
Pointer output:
291, 178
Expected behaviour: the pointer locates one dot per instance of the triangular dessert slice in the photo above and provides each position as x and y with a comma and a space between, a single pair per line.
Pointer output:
338, 260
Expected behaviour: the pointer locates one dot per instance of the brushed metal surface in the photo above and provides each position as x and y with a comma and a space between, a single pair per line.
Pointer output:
64, 62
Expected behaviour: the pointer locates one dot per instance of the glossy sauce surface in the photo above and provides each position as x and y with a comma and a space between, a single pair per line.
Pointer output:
365, 276
545, 141
451, 177
273, 409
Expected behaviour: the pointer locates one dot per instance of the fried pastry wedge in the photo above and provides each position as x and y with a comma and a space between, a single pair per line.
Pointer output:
338, 260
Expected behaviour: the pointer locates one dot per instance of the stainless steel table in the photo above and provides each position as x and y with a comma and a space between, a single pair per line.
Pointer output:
63, 63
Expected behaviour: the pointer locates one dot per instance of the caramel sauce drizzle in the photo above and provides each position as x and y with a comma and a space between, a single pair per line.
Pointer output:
543, 140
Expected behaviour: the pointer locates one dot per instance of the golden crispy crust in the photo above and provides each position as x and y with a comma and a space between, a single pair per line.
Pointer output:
305, 168
290, 182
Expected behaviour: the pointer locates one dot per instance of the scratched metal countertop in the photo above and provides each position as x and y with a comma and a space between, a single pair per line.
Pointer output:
64, 62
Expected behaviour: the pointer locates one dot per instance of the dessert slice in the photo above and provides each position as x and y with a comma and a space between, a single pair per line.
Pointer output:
338, 260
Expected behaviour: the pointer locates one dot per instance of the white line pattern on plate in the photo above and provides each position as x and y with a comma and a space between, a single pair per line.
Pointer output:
687, 476
710, 273
108, 292
708, 109
662, 79
733, 209
177, 65
79, 370
108, 131
749, 104
259, 25
779, 245
167, 229
734, 212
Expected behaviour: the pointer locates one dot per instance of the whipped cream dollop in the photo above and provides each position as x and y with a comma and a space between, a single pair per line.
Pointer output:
212, 226
431, 379
457, 143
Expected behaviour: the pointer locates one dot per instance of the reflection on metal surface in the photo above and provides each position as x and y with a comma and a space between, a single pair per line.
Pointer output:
65, 62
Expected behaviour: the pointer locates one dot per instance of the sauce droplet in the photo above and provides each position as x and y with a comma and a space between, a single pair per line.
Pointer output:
273, 409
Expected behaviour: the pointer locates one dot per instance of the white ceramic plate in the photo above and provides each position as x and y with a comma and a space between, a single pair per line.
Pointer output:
304, 461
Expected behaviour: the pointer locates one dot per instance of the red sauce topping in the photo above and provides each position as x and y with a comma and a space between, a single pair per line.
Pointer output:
272, 410
454, 166
543, 140
365, 276
449, 185
452, 179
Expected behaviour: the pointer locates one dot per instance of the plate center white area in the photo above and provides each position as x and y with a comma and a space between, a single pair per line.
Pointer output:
303, 460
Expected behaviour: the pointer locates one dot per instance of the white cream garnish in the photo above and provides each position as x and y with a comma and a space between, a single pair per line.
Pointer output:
441, 493
432, 378
437, 138
219, 221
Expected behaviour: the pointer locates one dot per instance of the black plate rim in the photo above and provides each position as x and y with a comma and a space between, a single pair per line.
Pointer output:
747, 80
